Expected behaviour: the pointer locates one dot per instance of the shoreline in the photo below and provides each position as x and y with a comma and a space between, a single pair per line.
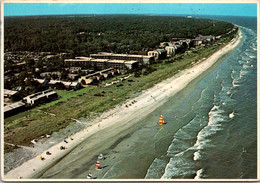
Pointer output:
121, 115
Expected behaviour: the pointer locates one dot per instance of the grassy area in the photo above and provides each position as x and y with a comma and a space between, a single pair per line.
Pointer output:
65, 95
92, 101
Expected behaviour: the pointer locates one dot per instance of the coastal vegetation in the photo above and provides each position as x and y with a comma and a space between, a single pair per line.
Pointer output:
86, 34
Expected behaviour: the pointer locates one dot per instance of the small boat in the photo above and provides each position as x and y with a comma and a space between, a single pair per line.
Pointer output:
161, 121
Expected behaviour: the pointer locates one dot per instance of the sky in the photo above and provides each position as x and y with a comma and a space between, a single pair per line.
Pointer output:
233, 9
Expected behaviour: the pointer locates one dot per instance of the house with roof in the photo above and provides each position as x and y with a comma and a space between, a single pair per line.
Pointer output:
200, 40
43, 82
170, 50
50, 94
142, 59
14, 108
11, 94
73, 76
158, 54
75, 85
35, 99
102, 62
40, 97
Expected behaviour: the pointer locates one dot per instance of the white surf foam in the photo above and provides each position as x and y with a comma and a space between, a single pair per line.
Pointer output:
178, 167
198, 174
214, 125
252, 56
196, 156
235, 83
243, 73
245, 66
231, 115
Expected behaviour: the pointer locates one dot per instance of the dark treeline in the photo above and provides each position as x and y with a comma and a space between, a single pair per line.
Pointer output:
82, 35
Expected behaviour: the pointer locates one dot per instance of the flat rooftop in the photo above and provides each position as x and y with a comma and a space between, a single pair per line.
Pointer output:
119, 55
13, 106
9, 92
79, 59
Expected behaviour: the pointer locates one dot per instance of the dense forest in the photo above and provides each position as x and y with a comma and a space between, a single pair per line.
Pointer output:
85, 34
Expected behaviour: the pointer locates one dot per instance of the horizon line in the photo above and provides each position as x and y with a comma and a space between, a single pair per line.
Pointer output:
145, 14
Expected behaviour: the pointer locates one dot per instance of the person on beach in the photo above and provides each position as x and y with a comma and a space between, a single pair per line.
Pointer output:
98, 167
62, 147
41, 158
65, 141
48, 153
70, 138
100, 156
153, 98
89, 176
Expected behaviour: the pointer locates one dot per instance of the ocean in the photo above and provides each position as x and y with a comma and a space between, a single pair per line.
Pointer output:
218, 138
211, 130
219, 112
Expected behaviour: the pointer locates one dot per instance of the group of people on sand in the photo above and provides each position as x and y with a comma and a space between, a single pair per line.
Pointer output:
131, 103
98, 167
100, 157
61, 148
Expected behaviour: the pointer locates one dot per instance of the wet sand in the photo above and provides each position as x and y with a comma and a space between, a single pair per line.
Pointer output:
107, 130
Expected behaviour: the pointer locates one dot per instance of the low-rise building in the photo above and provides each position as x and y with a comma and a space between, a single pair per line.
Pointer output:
14, 95
218, 37
73, 76
74, 69
164, 44
131, 64
50, 94
13, 108
142, 59
58, 84
82, 62
87, 81
170, 50
198, 41
43, 82
122, 64
35, 98
40, 97
97, 76
101, 63
50, 74
158, 54
74, 85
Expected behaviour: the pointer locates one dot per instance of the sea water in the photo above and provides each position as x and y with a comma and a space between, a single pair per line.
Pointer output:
211, 130
219, 140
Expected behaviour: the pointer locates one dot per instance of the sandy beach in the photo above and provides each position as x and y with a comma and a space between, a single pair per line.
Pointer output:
112, 122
